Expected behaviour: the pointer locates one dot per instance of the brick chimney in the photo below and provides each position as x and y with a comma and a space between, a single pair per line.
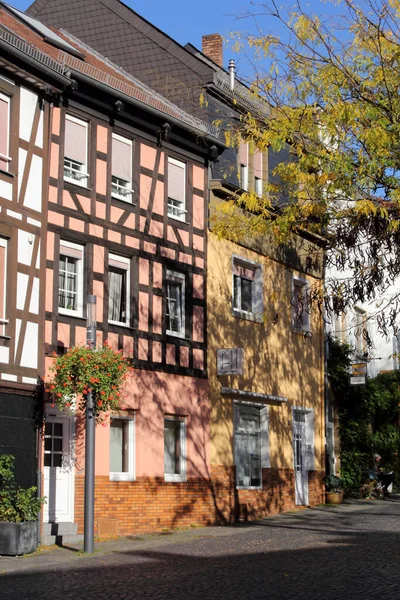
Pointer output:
212, 47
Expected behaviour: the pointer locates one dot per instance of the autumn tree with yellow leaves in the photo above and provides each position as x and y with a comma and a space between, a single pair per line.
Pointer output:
330, 91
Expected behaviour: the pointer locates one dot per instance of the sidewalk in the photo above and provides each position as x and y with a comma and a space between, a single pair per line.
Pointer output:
53, 557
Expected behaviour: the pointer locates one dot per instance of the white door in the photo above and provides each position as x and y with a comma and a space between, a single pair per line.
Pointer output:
58, 469
300, 458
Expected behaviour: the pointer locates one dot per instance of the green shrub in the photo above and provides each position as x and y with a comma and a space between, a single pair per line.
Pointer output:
16, 503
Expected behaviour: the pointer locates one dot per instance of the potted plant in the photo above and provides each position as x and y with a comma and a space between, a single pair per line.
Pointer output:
19, 510
333, 490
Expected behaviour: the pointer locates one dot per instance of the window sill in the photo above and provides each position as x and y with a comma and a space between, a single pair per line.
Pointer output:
5, 341
123, 199
249, 487
239, 314
120, 324
67, 313
121, 477
174, 479
8, 173
178, 219
76, 182
180, 336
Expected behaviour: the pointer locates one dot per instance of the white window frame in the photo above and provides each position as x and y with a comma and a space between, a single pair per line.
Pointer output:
127, 262
298, 281
83, 181
258, 186
180, 279
128, 196
360, 317
257, 289
181, 477
264, 441
3, 319
6, 157
182, 210
244, 177
129, 475
68, 311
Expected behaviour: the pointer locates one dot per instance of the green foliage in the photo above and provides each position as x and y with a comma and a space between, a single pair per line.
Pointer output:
16, 504
102, 371
333, 483
368, 420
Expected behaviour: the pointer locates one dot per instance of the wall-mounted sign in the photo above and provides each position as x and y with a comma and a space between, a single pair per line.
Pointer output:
230, 361
358, 373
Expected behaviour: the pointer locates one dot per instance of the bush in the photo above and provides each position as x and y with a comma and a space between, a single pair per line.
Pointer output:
16, 504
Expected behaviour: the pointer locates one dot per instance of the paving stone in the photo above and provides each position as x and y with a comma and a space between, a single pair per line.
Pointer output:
350, 552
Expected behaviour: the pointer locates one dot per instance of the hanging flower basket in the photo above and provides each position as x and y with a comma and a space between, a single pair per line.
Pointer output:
102, 371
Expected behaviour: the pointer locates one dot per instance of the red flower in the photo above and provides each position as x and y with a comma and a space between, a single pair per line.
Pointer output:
82, 359
59, 394
68, 404
102, 392
52, 406
99, 403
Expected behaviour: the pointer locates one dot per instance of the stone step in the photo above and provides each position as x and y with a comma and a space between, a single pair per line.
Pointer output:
61, 540
62, 528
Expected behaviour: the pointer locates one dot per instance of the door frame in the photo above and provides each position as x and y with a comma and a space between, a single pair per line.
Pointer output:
51, 414
308, 450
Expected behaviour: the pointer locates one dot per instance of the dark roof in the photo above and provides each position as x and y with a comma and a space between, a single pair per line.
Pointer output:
61, 54
116, 31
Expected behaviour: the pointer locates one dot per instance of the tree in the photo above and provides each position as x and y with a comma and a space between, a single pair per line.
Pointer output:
331, 91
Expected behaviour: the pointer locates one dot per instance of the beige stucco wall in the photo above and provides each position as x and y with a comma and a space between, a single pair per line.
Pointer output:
277, 360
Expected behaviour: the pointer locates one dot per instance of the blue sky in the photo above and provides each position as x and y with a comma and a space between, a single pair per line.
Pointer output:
188, 20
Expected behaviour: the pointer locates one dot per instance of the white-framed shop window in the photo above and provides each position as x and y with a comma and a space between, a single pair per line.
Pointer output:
247, 289
3, 284
176, 189
121, 168
70, 279
300, 304
251, 444
174, 448
175, 303
118, 289
5, 105
76, 151
122, 448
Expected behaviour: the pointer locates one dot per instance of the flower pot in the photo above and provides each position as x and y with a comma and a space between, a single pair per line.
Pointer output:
333, 497
18, 538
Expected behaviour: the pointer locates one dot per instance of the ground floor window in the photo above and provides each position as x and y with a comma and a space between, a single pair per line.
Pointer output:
251, 444
122, 449
174, 449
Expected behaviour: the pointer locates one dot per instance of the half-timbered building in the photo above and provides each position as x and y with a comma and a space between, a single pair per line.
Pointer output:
28, 81
125, 219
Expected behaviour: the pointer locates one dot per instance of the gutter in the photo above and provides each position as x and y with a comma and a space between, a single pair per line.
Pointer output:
135, 102
11, 46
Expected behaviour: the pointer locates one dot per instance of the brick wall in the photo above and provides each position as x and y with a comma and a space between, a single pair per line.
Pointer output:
151, 504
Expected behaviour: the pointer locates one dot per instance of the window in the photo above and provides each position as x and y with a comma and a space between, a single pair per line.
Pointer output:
175, 307
70, 285
244, 165
122, 457
118, 289
4, 132
251, 444
300, 304
3, 285
339, 326
121, 179
53, 444
76, 151
176, 189
258, 188
360, 333
174, 449
247, 289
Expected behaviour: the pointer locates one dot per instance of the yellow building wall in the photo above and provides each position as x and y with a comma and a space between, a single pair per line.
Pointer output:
277, 360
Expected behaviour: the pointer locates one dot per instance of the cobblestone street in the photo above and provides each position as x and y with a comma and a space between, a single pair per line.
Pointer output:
349, 552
